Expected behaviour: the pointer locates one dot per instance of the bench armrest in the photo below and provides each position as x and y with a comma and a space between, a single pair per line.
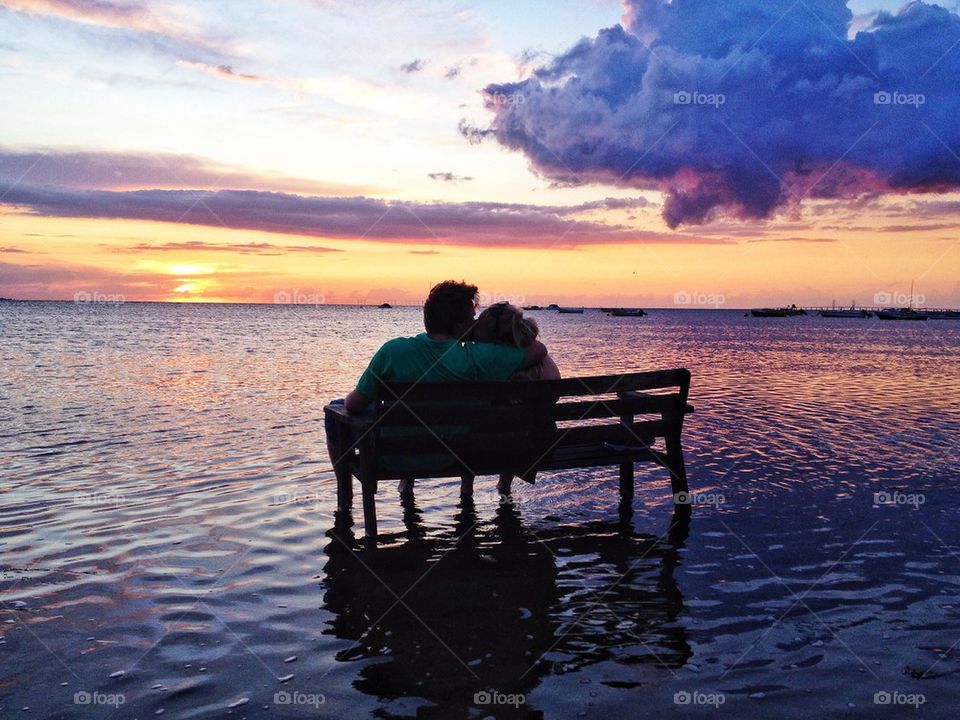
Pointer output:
635, 395
342, 417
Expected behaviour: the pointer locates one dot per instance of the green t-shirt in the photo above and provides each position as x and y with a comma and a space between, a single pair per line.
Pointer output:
410, 359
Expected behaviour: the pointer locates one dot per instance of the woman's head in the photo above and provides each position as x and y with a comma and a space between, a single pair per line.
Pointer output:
505, 324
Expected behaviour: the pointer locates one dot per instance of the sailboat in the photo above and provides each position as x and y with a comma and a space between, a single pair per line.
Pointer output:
907, 313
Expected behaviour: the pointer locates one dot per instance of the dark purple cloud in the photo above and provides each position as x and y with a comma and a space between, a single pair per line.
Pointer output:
114, 170
354, 218
742, 108
414, 66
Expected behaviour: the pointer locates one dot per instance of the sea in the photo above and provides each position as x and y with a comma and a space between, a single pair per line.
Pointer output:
169, 543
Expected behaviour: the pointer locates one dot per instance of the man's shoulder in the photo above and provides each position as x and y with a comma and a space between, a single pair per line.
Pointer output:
402, 343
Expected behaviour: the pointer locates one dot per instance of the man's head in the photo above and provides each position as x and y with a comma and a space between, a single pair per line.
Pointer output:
450, 308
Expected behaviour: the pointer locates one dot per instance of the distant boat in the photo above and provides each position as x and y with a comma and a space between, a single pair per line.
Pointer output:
627, 312
907, 313
570, 310
901, 314
553, 306
852, 312
844, 313
943, 314
532, 307
778, 312
384, 306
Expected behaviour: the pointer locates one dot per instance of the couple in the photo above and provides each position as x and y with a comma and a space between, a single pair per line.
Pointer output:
498, 345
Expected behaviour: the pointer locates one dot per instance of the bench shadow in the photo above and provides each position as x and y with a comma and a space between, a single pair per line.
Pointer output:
442, 614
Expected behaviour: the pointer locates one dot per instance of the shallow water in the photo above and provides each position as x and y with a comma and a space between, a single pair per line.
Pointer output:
166, 511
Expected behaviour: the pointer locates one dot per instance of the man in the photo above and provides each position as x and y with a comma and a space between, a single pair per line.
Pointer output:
439, 355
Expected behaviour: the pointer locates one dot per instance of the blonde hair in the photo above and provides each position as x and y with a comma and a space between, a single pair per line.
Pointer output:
505, 324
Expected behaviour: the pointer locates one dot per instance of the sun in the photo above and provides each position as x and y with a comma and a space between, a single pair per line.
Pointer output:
188, 270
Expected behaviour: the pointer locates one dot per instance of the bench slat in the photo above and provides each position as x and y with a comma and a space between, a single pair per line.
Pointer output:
569, 458
501, 444
538, 390
476, 415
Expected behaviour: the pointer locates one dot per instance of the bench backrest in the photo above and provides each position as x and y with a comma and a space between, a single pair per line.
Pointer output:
491, 426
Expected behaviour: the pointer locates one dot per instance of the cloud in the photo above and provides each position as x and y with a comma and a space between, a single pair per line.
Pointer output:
61, 281
814, 240
252, 248
11, 249
916, 228
355, 218
448, 177
166, 34
224, 72
742, 109
414, 66
116, 170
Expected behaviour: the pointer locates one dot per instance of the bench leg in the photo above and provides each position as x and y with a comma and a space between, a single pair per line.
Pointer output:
368, 486
626, 481
678, 472
344, 484
369, 490
466, 486
341, 455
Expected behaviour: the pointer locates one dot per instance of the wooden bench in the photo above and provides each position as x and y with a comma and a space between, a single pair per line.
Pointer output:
432, 430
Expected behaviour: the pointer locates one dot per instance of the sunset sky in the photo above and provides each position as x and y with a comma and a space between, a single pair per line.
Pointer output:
582, 151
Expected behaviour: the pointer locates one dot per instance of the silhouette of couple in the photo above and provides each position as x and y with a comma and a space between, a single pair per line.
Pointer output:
499, 345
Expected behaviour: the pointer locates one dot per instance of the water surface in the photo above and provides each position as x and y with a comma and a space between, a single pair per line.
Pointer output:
166, 512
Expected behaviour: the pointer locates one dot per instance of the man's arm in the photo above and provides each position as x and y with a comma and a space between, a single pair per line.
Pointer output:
535, 354
356, 402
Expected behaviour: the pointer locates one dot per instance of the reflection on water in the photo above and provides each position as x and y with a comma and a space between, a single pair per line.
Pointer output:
167, 527
492, 607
